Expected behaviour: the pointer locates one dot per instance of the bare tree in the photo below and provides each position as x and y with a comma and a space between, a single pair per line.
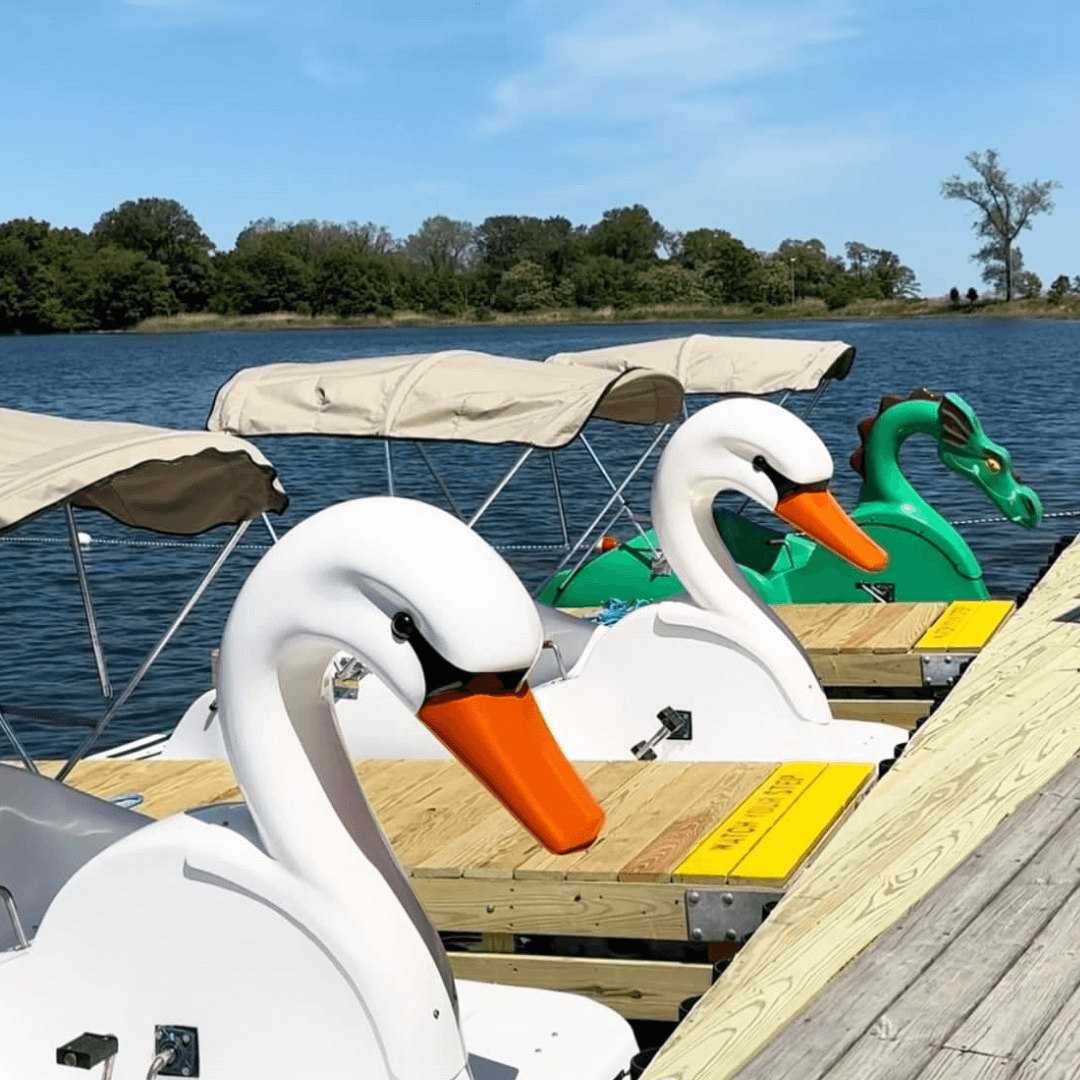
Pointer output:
1005, 208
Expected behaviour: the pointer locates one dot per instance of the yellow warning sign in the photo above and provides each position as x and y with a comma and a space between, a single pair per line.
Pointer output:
966, 625
780, 852
722, 850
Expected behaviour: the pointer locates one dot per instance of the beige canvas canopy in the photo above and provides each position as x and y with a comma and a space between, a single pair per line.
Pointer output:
178, 482
714, 364
452, 395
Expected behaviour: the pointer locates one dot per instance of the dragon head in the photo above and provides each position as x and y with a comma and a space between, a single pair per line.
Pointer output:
966, 449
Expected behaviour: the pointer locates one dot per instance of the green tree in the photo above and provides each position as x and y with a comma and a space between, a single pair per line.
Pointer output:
351, 282
629, 234
1059, 289
808, 265
1028, 284
128, 287
265, 272
731, 272
166, 233
525, 287
442, 245
670, 283
603, 281
1005, 209
879, 272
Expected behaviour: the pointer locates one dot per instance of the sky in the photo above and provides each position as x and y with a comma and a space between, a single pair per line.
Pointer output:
772, 119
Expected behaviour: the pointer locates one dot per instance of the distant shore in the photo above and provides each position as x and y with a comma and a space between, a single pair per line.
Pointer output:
810, 309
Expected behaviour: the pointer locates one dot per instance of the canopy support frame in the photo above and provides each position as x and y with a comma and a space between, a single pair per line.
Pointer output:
88, 603
616, 496
151, 658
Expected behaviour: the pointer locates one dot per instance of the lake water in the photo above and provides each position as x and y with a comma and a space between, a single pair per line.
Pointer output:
1018, 375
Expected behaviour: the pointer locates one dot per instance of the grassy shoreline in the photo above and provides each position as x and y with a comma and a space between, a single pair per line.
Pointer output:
810, 309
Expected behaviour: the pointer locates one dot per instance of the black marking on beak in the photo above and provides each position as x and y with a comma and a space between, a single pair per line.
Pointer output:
441, 676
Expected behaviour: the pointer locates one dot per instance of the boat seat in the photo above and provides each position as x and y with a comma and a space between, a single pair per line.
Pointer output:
569, 633
47, 831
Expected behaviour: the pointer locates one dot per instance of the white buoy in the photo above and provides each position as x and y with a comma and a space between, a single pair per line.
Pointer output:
84, 539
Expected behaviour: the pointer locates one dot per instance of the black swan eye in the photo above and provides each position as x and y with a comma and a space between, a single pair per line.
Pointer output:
783, 485
402, 626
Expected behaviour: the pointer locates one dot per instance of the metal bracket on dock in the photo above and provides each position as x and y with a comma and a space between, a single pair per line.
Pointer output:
727, 914
943, 669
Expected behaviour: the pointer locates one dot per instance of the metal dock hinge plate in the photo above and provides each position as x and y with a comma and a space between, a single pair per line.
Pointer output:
943, 669
727, 914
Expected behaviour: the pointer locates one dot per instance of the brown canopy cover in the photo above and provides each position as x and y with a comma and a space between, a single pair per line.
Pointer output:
178, 482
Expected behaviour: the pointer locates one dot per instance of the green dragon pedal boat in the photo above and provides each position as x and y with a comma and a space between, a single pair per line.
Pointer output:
928, 558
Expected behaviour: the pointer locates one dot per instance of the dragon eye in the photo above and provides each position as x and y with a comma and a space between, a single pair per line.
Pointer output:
993, 463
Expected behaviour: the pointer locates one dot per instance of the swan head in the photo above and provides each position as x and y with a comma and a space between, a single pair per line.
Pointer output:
771, 456
428, 606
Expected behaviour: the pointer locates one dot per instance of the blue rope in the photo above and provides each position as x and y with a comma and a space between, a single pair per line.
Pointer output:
614, 610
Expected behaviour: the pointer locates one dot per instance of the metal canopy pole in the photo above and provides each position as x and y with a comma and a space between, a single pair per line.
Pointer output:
155, 652
269, 528
12, 738
88, 603
499, 487
439, 480
558, 498
624, 505
389, 467
607, 506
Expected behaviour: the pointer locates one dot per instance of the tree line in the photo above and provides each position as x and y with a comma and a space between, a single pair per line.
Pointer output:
150, 257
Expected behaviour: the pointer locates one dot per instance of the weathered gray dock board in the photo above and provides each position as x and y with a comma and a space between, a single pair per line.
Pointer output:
970, 979
1009, 728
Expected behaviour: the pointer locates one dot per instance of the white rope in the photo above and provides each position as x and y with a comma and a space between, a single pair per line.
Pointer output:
998, 520
193, 544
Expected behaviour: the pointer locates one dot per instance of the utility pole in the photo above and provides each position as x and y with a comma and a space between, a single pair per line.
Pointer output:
792, 261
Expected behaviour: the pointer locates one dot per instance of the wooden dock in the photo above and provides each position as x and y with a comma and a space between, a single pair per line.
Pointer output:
800, 999
692, 855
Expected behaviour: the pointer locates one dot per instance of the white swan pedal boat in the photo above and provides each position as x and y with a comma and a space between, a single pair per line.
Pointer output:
719, 654
299, 949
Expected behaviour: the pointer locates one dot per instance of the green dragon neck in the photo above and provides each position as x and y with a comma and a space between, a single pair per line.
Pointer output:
885, 481
886, 491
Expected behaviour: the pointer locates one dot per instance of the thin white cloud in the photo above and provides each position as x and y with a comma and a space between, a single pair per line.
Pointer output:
318, 66
640, 61
168, 13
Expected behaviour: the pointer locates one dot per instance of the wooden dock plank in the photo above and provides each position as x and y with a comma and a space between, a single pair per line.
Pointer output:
816, 622
184, 785
458, 806
1022, 872
457, 842
903, 712
782, 850
494, 849
966, 626
849, 627
928, 813
638, 989
628, 810
608, 858
868, 669
895, 628
726, 787
651, 912
1010, 1018
716, 857
1057, 1053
